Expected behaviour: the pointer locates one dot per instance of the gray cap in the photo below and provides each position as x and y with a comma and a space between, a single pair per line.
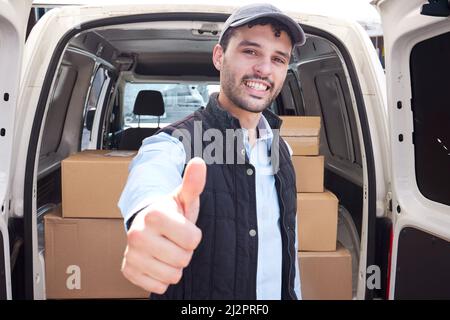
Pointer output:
245, 14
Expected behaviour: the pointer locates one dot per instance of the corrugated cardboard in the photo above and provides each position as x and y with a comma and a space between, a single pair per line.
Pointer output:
317, 221
326, 275
295, 126
302, 134
92, 182
303, 146
83, 258
309, 172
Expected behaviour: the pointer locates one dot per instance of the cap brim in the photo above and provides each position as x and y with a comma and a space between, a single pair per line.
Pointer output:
294, 28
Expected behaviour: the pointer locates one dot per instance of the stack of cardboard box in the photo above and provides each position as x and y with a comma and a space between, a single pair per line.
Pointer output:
325, 267
85, 237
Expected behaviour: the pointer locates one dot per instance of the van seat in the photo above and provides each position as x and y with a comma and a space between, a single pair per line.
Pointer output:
148, 103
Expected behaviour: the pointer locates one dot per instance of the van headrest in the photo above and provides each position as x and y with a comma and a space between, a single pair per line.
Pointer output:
149, 103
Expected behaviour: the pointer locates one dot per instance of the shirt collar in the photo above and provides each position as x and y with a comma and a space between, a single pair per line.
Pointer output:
265, 132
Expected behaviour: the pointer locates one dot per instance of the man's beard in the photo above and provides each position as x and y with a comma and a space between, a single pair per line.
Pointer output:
235, 92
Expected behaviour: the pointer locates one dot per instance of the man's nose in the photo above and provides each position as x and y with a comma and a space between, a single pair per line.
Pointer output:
263, 68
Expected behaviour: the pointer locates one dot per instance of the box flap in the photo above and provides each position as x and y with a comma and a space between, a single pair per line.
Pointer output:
326, 195
101, 155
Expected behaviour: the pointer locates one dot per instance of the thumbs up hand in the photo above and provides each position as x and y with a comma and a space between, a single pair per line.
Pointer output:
188, 196
162, 238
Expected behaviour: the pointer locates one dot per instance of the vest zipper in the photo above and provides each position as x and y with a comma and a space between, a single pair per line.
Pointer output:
287, 237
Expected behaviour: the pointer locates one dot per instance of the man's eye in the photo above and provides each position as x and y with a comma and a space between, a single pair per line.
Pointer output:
278, 60
251, 52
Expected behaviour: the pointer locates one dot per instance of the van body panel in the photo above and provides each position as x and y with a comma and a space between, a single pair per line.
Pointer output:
13, 19
417, 81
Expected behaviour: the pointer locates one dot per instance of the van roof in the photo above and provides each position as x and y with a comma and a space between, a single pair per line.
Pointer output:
361, 10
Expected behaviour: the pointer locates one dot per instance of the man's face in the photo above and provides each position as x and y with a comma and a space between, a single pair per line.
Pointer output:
254, 67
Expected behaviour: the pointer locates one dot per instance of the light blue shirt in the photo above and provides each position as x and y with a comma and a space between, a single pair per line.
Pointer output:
157, 169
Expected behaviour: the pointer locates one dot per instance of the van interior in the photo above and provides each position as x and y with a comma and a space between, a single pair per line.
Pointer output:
103, 96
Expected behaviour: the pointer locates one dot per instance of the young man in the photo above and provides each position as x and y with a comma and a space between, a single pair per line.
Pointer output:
221, 230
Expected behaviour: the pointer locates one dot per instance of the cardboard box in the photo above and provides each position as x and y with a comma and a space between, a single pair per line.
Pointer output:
309, 173
83, 258
326, 275
302, 134
92, 182
303, 146
317, 215
295, 126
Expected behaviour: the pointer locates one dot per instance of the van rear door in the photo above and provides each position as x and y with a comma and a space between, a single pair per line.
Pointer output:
13, 22
417, 40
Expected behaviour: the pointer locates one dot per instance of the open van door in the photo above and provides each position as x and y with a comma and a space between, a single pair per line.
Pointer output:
13, 22
417, 41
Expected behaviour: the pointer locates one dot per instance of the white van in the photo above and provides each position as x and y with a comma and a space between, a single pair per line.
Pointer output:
386, 138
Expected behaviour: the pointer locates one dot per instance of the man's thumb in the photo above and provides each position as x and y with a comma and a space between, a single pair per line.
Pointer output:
194, 180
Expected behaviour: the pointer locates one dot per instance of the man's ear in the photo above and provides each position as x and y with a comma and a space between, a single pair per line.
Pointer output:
218, 56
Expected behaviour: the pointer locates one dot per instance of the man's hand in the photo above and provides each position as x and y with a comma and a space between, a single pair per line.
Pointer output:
163, 237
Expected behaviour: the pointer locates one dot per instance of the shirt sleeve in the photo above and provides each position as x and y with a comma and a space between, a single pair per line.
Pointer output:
154, 172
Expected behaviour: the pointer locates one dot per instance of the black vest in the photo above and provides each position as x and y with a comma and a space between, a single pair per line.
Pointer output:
224, 264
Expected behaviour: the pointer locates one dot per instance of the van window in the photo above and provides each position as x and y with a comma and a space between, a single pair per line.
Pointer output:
430, 83
180, 100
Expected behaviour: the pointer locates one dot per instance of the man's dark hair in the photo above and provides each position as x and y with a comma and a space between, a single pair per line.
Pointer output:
277, 28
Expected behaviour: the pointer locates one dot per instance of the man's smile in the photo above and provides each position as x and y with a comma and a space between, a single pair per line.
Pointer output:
257, 88
258, 85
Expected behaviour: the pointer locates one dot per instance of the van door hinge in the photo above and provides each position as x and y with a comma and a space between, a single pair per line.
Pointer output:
388, 201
